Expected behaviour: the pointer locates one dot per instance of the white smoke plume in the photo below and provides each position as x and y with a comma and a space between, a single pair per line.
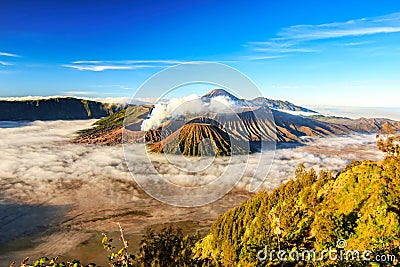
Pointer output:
191, 104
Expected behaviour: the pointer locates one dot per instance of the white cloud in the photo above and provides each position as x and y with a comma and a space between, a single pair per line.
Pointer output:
3, 63
27, 98
102, 65
279, 48
358, 27
128, 62
5, 54
357, 112
191, 104
99, 67
358, 43
79, 93
37, 162
293, 39
309, 33
119, 86
258, 58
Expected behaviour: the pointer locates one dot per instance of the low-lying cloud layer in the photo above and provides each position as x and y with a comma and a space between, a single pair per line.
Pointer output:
48, 183
36, 161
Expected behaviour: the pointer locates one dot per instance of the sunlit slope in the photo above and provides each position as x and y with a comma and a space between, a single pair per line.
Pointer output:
195, 139
360, 205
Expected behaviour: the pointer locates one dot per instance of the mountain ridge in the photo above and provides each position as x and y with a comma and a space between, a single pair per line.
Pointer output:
68, 107
220, 92
253, 125
258, 101
63, 108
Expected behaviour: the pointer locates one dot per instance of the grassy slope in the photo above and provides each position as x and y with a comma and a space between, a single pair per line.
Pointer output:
133, 114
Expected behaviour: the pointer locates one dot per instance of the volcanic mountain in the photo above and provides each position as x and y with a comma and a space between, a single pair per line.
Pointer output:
253, 124
197, 139
220, 92
258, 102
258, 124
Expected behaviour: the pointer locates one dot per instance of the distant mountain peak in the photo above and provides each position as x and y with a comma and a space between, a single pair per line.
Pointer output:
220, 92
278, 104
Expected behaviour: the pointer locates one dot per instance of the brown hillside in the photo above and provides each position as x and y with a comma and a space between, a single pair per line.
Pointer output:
196, 139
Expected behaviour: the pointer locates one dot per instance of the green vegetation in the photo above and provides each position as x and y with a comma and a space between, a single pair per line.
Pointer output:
169, 247
360, 205
85, 104
389, 141
116, 119
108, 123
134, 114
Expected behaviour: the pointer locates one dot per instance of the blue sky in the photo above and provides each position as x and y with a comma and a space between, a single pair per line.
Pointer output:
336, 53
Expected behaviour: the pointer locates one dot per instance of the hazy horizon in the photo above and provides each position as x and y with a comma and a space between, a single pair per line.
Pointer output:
353, 112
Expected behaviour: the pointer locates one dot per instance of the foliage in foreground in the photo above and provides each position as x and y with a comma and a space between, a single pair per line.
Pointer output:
168, 247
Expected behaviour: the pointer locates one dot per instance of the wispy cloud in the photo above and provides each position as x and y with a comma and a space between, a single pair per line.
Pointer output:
327, 31
102, 65
6, 63
297, 38
99, 67
117, 86
79, 93
129, 62
358, 43
3, 63
5, 54
274, 46
261, 57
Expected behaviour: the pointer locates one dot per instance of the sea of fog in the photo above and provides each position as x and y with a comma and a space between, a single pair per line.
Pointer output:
62, 190
357, 112
36, 158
